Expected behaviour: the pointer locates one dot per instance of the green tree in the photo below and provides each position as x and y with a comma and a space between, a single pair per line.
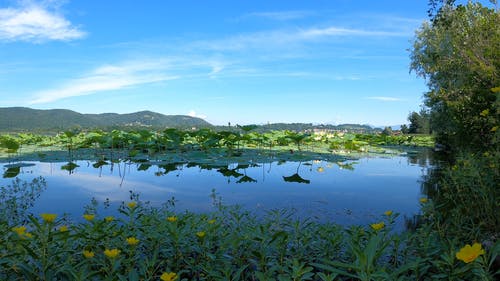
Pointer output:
404, 129
419, 122
458, 53
387, 131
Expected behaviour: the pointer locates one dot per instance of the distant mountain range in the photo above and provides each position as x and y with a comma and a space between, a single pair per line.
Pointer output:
23, 119
14, 119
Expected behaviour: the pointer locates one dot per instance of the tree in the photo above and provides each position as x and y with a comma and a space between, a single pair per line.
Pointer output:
458, 53
404, 129
387, 131
419, 122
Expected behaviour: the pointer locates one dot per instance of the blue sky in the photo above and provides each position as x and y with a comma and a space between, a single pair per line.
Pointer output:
228, 61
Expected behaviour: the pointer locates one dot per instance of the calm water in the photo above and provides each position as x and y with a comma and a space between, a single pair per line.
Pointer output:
352, 192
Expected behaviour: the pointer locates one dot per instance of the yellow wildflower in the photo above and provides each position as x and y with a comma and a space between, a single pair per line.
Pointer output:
377, 226
388, 213
170, 276
469, 253
132, 241
211, 221
88, 254
113, 253
20, 230
485, 112
109, 218
132, 204
201, 234
63, 228
423, 200
172, 219
88, 217
48, 218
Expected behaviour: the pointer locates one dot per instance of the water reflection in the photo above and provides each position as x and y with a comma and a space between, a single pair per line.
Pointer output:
12, 172
318, 189
296, 177
70, 167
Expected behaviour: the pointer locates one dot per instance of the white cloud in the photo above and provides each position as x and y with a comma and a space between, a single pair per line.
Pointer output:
281, 15
107, 78
193, 113
389, 99
279, 38
217, 67
36, 23
338, 31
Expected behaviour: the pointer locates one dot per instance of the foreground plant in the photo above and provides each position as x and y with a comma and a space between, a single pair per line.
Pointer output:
145, 243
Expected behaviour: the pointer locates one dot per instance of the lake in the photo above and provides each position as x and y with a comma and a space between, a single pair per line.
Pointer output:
347, 192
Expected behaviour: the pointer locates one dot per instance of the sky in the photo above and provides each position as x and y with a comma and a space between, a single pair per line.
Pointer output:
244, 62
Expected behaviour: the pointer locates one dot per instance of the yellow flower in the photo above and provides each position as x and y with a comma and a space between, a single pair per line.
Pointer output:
132, 204
113, 253
27, 235
88, 217
423, 200
88, 254
109, 218
132, 241
211, 221
172, 219
469, 253
63, 228
20, 230
388, 213
485, 112
170, 276
377, 226
200, 234
48, 218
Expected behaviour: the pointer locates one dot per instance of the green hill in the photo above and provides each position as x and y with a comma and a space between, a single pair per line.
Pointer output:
15, 119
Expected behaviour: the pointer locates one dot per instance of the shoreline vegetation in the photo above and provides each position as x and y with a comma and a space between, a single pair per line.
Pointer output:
203, 145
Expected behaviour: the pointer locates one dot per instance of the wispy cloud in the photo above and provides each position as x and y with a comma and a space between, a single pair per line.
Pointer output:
339, 31
280, 15
36, 23
126, 74
387, 99
193, 113
279, 38
107, 78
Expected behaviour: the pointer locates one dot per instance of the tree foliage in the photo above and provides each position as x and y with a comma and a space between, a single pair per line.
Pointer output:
419, 122
458, 53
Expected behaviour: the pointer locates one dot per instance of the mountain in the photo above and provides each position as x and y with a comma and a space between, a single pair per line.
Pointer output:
303, 127
14, 119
